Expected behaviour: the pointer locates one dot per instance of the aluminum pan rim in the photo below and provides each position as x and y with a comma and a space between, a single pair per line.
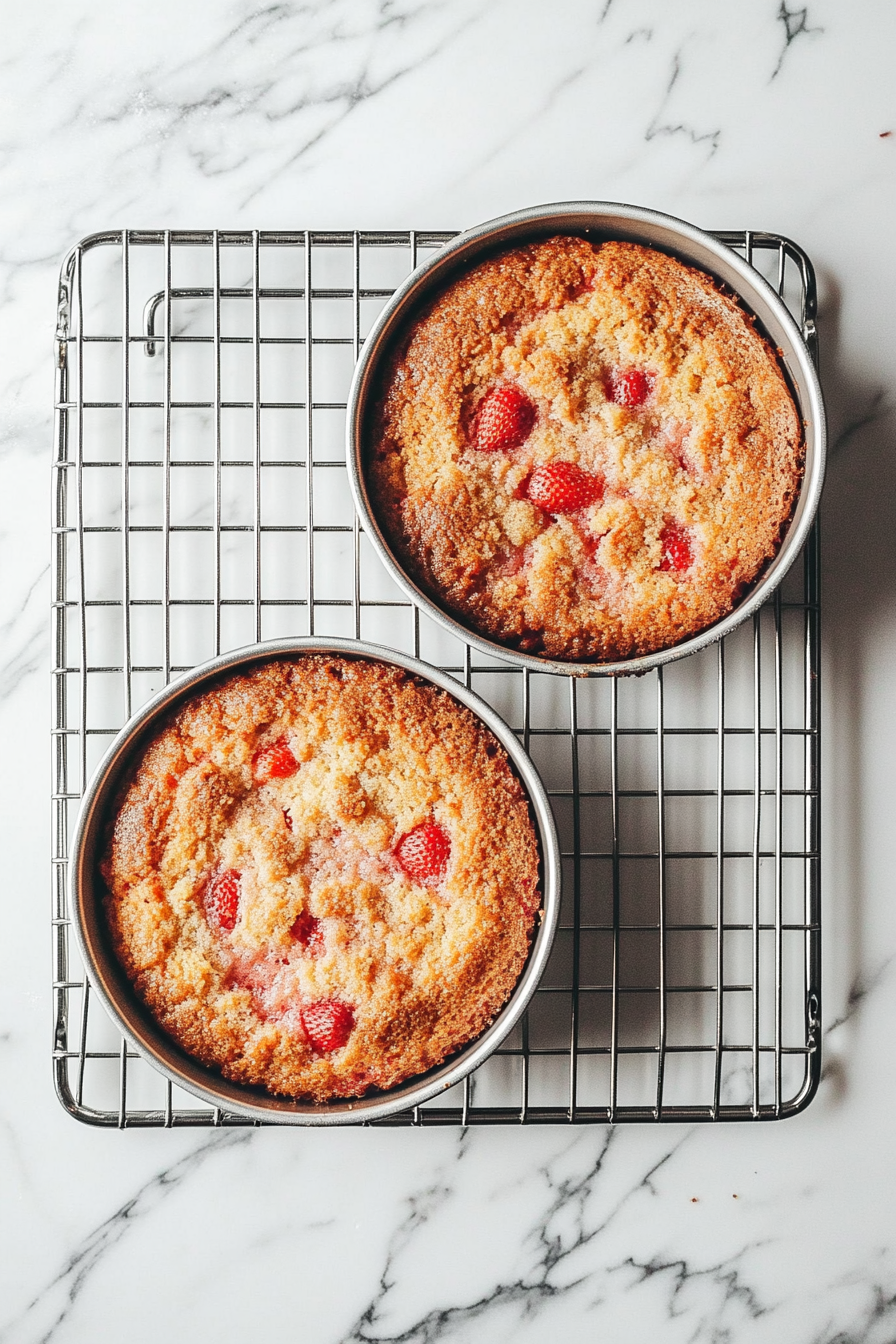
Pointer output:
108, 981
635, 223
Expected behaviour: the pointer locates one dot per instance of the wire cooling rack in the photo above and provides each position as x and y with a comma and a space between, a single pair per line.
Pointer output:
201, 503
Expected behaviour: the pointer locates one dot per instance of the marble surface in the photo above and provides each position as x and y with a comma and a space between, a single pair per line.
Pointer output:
436, 114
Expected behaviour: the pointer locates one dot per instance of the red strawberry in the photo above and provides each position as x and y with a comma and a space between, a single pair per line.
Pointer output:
563, 487
222, 900
328, 1024
274, 762
424, 852
308, 932
678, 549
504, 420
630, 387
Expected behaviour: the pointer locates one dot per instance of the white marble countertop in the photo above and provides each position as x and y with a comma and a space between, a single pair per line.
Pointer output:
416, 113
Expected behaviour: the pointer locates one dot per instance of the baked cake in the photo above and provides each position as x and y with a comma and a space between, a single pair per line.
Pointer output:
322, 877
585, 450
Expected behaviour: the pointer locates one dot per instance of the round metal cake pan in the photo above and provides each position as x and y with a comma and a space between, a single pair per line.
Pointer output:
109, 982
598, 221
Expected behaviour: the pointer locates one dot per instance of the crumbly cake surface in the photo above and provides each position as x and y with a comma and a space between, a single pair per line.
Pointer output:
325, 913
694, 483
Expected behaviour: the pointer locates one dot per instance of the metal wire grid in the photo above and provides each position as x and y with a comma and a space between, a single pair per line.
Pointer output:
200, 503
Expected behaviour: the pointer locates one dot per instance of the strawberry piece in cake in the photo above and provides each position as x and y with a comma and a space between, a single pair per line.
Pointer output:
563, 487
424, 852
274, 762
504, 420
630, 387
327, 1024
222, 900
678, 548
307, 931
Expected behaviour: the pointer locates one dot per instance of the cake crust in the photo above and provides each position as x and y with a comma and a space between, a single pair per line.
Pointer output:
711, 457
326, 914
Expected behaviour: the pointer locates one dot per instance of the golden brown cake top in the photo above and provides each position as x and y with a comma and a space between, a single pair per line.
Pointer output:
323, 876
584, 450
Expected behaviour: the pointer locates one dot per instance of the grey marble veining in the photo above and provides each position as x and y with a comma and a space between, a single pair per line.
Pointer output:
759, 114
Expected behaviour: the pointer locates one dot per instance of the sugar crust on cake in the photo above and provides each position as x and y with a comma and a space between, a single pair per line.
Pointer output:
716, 449
424, 968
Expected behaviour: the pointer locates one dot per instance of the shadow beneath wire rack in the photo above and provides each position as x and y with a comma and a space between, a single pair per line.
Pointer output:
858, 612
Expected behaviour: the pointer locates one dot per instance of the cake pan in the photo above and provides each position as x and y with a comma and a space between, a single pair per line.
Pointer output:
109, 982
598, 221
